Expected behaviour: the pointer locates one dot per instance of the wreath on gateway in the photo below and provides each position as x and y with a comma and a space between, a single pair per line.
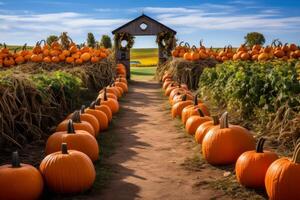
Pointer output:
166, 40
119, 37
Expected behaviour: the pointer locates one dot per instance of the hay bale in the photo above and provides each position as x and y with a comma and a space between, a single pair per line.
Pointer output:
35, 96
185, 71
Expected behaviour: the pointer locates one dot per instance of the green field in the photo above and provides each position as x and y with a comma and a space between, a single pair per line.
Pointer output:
144, 57
142, 72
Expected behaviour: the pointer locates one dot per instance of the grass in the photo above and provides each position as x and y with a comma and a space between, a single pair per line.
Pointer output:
142, 72
146, 57
13, 47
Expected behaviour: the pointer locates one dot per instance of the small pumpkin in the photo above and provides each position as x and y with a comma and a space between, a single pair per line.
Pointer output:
78, 124
79, 140
204, 128
88, 118
111, 103
193, 110
282, 177
195, 121
179, 106
122, 85
103, 108
85, 56
251, 166
68, 171
224, 144
20, 181
100, 115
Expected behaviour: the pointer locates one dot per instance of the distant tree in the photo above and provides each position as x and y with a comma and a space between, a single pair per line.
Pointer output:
91, 42
105, 41
51, 38
254, 38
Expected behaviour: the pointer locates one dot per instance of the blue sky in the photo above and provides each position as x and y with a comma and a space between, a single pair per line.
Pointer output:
218, 23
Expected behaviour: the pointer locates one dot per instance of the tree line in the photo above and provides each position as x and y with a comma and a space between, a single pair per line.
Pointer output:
105, 40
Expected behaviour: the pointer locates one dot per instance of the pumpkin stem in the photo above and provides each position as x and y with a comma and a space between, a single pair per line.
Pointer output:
98, 101
184, 97
296, 154
224, 120
93, 105
76, 117
82, 109
64, 148
216, 120
15, 161
70, 127
201, 113
105, 95
196, 100
260, 145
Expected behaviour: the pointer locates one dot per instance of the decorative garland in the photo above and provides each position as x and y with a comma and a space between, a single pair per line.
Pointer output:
166, 41
119, 37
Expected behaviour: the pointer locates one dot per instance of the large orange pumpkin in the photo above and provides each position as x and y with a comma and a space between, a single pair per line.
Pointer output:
224, 144
251, 166
68, 171
79, 140
20, 181
283, 176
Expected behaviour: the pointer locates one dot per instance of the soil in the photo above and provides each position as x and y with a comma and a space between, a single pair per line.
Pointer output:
151, 156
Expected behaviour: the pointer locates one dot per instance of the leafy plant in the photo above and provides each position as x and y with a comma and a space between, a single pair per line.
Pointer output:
246, 86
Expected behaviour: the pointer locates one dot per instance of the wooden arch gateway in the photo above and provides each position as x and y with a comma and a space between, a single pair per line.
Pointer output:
142, 26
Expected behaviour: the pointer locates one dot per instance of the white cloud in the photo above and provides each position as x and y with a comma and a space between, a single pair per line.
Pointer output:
224, 17
23, 28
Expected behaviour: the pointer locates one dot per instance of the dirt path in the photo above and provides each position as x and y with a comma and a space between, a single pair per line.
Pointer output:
148, 161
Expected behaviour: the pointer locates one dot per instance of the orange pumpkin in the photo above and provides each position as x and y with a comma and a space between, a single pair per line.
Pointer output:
195, 121
36, 57
78, 124
282, 177
111, 103
179, 106
193, 110
104, 108
68, 171
224, 144
79, 140
204, 128
20, 181
100, 115
88, 118
251, 166
85, 56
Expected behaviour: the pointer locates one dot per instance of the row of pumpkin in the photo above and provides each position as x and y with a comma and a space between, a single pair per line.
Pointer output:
70, 151
223, 144
255, 53
54, 53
